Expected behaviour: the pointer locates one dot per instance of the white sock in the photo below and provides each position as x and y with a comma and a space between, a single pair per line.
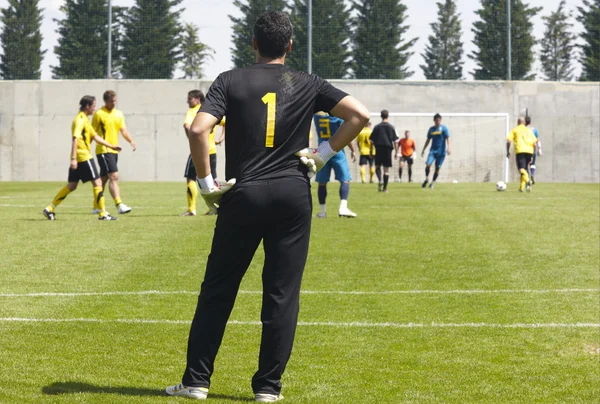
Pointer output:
322, 208
343, 204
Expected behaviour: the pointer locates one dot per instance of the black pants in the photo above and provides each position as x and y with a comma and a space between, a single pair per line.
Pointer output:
278, 212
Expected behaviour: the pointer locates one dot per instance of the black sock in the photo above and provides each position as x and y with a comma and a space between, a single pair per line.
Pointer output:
427, 172
410, 174
435, 175
400, 172
386, 178
378, 173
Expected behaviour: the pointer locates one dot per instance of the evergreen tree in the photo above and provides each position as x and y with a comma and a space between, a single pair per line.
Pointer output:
152, 37
243, 27
558, 45
21, 40
443, 55
82, 49
195, 52
490, 38
381, 50
330, 38
590, 18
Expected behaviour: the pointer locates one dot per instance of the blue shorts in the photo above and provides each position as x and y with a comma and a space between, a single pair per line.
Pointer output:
437, 157
339, 164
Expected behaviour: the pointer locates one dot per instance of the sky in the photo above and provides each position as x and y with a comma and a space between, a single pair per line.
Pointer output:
211, 16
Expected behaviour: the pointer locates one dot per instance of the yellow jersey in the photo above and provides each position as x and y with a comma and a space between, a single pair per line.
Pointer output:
108, 124
82, 130
189, 118
363, 142
523, 138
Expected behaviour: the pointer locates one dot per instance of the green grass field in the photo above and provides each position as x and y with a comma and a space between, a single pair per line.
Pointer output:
455, 295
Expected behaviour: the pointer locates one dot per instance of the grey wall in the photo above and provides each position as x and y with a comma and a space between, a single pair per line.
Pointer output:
35, 120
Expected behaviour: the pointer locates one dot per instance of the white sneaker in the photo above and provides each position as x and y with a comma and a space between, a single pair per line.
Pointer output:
199, 393
95, 211
346, 213
321, 215
123, 209
267, 398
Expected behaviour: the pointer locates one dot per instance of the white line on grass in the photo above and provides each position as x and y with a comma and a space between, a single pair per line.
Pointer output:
356, 324
308, 292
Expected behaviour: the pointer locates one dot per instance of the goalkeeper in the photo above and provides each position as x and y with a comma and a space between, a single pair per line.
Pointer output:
269, 109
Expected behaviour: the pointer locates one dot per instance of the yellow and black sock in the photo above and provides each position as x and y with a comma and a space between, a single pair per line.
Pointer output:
99, 201
524, 178
118, 201
372, 172
60, 196
362, 173
192, 195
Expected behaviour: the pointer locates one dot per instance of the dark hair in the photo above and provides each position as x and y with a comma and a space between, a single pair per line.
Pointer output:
108, 95
527, 120
273, 31
436, 116
86, 101
197, 94
385, 114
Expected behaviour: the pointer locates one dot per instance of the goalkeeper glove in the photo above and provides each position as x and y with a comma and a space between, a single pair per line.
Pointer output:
315, 159
212, 193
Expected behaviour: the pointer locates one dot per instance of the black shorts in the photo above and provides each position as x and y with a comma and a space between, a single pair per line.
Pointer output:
365, 159
407, 159
383, 157
523, 160
85, 171
108, 163
190, 169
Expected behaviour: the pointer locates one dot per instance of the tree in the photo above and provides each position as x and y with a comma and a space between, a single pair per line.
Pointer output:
152, 37
330, 38
558, 45
590, 18
443, 55
243, 27
381, 50
82, 49
21, 40
490, 38
195, 52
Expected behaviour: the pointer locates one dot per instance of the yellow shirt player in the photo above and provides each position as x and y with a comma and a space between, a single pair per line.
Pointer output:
82, 167
524, 140
367, 151
108, 122
195, 99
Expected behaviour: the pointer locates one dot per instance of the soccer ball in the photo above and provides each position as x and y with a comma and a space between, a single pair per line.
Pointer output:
500, 186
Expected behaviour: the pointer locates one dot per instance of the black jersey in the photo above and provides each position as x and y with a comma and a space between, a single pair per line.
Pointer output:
384, 135
269, 110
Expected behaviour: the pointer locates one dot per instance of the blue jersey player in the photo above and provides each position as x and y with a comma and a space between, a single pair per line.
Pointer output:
538, 148
326, 126
439, 137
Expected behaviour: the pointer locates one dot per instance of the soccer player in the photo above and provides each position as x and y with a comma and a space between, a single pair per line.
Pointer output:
407, 149
439, 136
384, 138
195, 100
326, 126
525, 141
82, 167
367, 151
108, 121
538, 148
269, 109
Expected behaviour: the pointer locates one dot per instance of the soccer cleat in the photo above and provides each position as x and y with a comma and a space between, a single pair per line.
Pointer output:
321, 215
188, 213
431, 185
267, 398
425, 183
49, 215
95, 211
210, 213
528, 187
380, 187
345, 212
199, 393
123, 209
385, 191
107, 216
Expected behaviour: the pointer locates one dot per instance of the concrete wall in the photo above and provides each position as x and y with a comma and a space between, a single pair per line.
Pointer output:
35, 119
